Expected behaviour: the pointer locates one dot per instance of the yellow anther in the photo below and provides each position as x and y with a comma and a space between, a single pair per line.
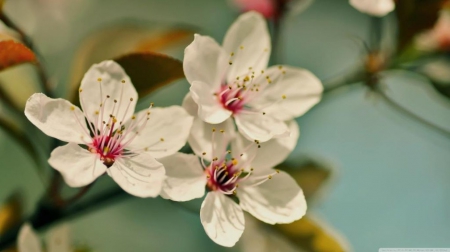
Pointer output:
133, 117
123, 81
106, 149
204, 153
234, 162
264, 113
229, 151
234, 192
237, 185
284, 72
270, 176
246, 78
241, 47
131, 99
115, 101
278, 171
151, 104
237, 78
99, 79
81, 90
162, 139
283, 96
251, 169
146, 149
114, 120
72, 108
230, 62
266, 49
232, 54
213, 129
208, 177
108, 96
280, 67
96, 112
222, 131
262, 71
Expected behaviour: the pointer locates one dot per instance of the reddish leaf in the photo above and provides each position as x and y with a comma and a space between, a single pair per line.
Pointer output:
149, 71
415, 16
13, 53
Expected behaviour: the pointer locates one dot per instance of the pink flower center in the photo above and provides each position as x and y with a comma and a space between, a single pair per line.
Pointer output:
231, 99
108, 148
224, 174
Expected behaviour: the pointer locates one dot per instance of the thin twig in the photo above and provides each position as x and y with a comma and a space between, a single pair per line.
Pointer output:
407, 112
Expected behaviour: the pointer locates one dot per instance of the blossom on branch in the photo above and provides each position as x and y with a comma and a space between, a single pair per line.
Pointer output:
378, 8
58, 240
233, 81
106, 136
237, 180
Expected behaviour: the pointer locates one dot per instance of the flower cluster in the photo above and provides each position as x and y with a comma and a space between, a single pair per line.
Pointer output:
231, 88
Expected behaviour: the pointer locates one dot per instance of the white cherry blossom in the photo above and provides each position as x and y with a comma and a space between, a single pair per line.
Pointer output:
233, 81
237, 180
106, 136
377, 8
58, 240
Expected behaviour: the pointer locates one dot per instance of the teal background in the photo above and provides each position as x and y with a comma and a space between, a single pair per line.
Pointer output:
391, 183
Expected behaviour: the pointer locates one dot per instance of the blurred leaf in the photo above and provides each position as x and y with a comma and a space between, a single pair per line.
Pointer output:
415, 16
13, 53
312, 236
123, 38
149, 71
2, 2
10, 213
310, 176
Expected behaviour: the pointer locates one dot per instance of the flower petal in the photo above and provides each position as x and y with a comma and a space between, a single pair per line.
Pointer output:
201, 138
28, 241
107, 79
58, 240
164, 134
141, 175
377, 8
222, 219
271, 152
292, 93
185, 179
248, 41
256, 126
56, 118
209, 108
78, 166
278, 200
189, 105
205, 61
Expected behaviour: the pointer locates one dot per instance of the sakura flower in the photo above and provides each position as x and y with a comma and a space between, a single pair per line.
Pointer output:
106, 136
232, 81
237, 180
376, 8
437, 38
57, 240
272, 8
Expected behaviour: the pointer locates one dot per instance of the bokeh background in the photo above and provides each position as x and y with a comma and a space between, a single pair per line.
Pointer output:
389, 183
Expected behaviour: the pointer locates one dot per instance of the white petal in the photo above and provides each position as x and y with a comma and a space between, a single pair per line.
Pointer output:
201, 138
210, 109
248, 39
374, 7
205, 61
290, 95
56, 118
185, 179
141, 176
222, 219
78, 166
28, 241
165, 133
256, 126
271, 152
278, 200
58, 240
95, 92
189, 105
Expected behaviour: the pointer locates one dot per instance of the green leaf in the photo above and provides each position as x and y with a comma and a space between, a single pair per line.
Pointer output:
149, 71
